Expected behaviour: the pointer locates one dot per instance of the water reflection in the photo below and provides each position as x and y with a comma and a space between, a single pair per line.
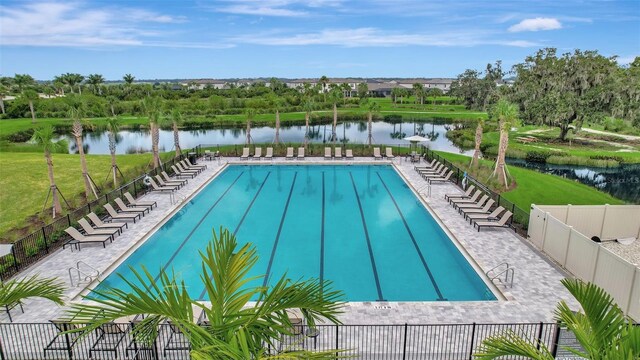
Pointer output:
622, 182
137, 141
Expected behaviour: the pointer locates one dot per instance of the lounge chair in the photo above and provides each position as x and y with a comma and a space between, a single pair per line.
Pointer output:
376, 154
127, 209
133, 201
245, 154
91, 231
187, 166
327, 153
13, 305
108, 338
434, 170
486, 216
180, 173
188, 162
446, 178
475, 205
258, 153
427, 166
389, 153
64, 341
77, 238
182, 167
177, 340
500, 223
289, 155
120, 216
269, 154
338, 152
484, 210
105, 225
349, 154
155, 187
300, 153
175, 184
472, 199
208, 155
168, 178
461, 196
441, 173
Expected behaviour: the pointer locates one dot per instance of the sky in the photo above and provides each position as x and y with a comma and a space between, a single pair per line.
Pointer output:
193, 39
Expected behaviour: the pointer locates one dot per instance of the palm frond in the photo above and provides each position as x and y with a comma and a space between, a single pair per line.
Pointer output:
511, 344
14, 291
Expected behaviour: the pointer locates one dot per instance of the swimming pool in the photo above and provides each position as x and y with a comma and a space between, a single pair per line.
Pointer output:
360, 226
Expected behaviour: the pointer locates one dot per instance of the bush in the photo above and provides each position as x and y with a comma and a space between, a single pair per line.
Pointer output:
539, 156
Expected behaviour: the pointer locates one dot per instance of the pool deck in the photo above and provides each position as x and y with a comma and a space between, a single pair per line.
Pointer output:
533, 298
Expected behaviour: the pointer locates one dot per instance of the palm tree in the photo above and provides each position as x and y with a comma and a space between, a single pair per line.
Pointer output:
95, 80
71, 80
176, 120
418, 92
334, 97
323, 81
251, 113
476, 153
31, 96
17, 290
507, 114
372, 108
23, 81
601, 328
153, 108
243, 320
277, 104
395, 93
112, 101
113, 126
128, 79
307, 106
76, 113
44, 138
346, 91
3, 92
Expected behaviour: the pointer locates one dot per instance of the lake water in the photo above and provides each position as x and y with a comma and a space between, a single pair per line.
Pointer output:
350, 132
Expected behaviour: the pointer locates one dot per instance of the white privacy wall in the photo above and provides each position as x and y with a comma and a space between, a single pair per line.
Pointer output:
564, 233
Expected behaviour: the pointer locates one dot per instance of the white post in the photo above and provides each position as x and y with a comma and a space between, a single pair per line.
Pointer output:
604, 216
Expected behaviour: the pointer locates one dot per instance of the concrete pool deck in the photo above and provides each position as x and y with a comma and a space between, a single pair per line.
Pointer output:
533, 298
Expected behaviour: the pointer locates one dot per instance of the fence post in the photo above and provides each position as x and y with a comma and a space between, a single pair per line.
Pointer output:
404, 347
513, 211
135, 190
44, 236
473, 335
540, 335
15, 259
337, 330
69, 219
556, 339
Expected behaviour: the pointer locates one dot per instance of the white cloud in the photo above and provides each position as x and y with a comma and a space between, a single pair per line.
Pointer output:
373, 37
282, 8
536, 24
74, 24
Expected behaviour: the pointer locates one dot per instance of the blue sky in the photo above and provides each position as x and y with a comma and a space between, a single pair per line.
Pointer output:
296, 38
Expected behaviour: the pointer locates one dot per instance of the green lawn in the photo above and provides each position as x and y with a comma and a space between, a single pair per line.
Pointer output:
542, 189
24, 183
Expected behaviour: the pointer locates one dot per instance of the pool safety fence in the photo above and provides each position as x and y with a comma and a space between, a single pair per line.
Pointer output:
448, 341
519, 222
52, 236
311, 149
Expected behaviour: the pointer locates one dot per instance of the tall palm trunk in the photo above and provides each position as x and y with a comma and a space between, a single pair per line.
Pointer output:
2, 105
248, 132
112, 151
306, 128
277, 139
33, 112
476, 153
155, 139
77, 133
57, 208
501, 171
113, 112
369, 125
176, 139
335, 123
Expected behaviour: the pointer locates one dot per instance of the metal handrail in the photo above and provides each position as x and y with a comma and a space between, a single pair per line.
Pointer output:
89, 266
498, 276
428, 187
87, 278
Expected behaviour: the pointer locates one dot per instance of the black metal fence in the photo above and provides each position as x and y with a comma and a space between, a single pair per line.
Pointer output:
51, 237
520, 219
311, 149
451, 341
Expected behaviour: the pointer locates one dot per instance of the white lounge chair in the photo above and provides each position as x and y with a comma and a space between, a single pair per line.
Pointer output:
338, 151
327, 153
300, 153
376, 153
289, 153
269, 154
258, 153
500, 223
389, 153
105, 225
349, 154
245, 154
78, 238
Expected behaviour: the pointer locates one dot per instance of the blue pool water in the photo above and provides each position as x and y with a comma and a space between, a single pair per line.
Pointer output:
359, 226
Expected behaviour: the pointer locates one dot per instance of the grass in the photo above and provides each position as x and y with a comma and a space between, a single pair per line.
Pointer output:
24, 180
533, 187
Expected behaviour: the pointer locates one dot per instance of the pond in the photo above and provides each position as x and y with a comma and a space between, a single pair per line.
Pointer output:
128, 142
622, 182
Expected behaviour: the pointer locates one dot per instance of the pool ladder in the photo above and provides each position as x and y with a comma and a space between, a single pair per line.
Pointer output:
427, 187
503, 273
83, 275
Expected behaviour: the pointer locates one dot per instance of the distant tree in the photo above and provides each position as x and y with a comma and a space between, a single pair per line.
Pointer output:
363, 90
475, 160
3, 92
176, 120
153, 109
476, 92
418, 92
372, 108
395, 94
346, 91
44, 138
434, 94
112, 101
334, 98
128, 79
72, 80
507, 114
113, 126
250, 114
323, 81
31, 96
95, 80
77, 108
23, 81
307, 107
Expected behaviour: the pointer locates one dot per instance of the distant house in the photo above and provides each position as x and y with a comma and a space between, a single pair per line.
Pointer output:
443, 84
201, 84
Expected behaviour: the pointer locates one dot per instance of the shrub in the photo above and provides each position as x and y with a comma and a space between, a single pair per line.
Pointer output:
540, 156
